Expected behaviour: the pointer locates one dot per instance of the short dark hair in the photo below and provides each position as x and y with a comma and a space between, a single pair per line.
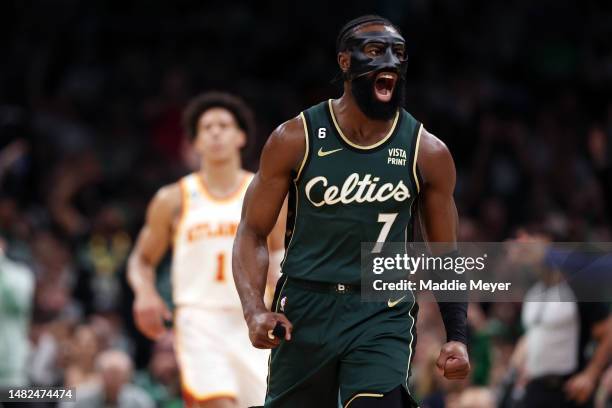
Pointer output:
244, 116
358, 22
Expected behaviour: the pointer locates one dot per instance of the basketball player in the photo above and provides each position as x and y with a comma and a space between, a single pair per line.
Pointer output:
198, 216
353, 167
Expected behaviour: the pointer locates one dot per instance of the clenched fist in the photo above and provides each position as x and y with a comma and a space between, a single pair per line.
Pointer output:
453, 361
261, 325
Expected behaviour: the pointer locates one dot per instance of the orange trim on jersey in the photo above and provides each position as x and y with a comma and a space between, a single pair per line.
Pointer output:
191, 399
184, 208
190, 396
234, 195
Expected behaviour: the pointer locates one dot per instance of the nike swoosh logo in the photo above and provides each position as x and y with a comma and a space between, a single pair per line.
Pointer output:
321, 153
392, 303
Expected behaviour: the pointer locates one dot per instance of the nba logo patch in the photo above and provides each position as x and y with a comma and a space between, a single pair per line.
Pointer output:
283, 302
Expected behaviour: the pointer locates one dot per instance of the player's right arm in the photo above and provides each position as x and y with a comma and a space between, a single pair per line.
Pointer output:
154, 239
281, 156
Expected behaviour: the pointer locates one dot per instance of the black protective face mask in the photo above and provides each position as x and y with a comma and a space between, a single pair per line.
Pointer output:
363, 69
363, 92
363, 64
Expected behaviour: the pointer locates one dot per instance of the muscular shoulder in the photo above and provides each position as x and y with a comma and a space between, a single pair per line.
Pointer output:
289, 135
435, 161
166, 204
286, 145
430, 147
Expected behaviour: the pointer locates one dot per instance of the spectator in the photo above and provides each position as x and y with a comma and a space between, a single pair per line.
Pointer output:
50, 347
161, 379
476, 397
559, 330
16, 293
113, 390
81, 356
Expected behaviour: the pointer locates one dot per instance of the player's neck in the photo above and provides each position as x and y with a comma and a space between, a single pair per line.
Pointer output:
355, 124
221, 177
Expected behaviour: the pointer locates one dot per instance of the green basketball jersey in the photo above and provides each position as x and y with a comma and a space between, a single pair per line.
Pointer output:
344, 194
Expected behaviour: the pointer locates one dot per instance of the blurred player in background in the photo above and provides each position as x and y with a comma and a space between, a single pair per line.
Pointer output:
198, 216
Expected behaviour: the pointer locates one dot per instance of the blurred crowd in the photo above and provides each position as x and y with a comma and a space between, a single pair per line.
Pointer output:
91, 95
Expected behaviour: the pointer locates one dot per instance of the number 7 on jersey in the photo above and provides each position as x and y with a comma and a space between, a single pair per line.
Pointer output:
387, 219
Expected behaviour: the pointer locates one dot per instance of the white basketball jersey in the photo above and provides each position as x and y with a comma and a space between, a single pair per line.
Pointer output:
202, 253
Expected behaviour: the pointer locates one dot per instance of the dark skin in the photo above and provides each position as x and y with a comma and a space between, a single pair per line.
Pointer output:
281, 157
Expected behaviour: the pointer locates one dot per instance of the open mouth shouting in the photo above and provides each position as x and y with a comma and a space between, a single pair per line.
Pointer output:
384, 84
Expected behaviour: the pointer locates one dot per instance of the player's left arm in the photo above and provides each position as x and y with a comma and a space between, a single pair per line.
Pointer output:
439, 220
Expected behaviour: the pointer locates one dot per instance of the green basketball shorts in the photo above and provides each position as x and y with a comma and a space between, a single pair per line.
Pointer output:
340, 347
